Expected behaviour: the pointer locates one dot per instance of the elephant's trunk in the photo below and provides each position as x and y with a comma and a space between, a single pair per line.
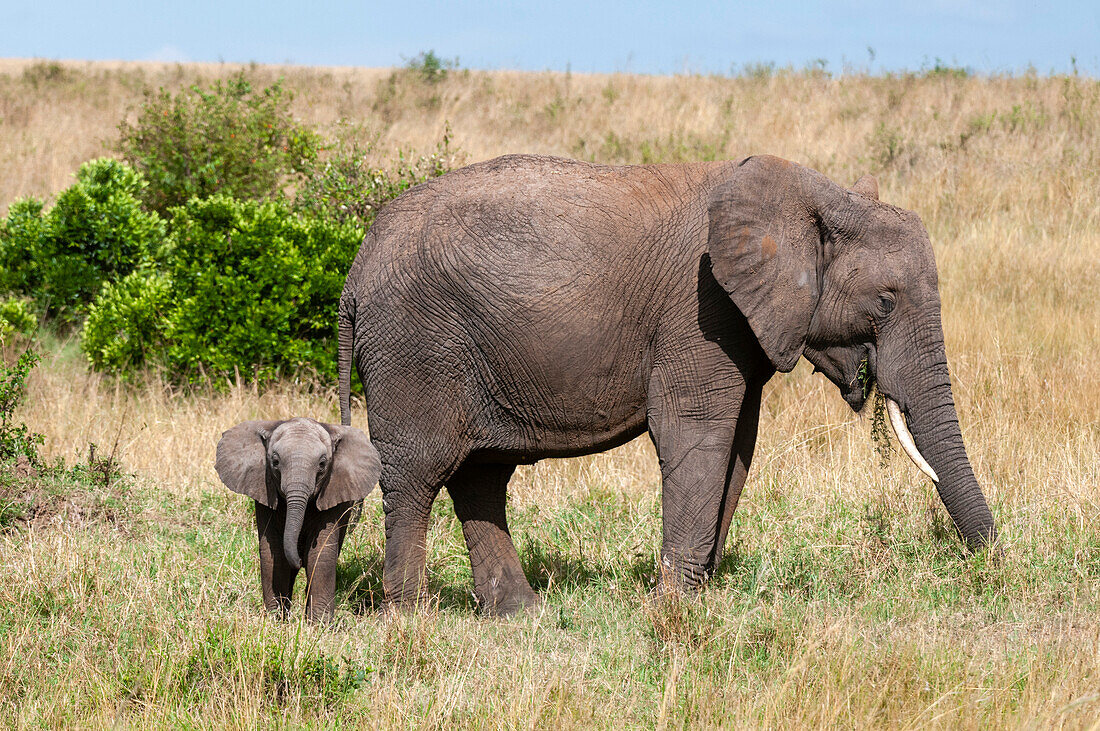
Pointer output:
296, 500
934, 425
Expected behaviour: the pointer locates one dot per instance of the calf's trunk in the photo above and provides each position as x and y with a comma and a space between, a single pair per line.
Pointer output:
295, 513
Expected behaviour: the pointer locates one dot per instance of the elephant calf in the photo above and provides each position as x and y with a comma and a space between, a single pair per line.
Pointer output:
305, 477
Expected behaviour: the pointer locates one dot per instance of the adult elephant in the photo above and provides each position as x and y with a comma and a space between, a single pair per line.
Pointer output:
531, 307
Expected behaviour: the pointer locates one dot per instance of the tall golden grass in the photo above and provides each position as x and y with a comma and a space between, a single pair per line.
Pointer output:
1005, 172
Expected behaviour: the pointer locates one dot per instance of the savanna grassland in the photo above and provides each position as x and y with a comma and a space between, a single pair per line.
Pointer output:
845, 598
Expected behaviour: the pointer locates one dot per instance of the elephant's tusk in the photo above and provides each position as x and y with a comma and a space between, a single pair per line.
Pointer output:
897, 421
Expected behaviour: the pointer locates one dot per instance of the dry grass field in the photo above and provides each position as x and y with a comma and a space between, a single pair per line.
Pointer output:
845, 599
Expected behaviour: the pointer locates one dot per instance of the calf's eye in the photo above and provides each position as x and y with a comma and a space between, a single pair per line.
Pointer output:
886, 304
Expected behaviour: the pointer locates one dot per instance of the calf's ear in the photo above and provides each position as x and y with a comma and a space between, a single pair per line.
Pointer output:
355, 467
241, 461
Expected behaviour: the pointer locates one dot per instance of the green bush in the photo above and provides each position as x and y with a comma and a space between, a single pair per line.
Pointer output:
256, 287
16, 318
128, 323
230, 138
15, 438
345, 187
21, 238
241, 286
430, 67
95, 232
248, 287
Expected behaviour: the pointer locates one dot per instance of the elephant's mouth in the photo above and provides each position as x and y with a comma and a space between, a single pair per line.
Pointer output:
863, 380
852, 369
856, 390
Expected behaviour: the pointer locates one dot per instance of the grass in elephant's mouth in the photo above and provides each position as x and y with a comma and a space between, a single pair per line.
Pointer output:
845, 599
865, 378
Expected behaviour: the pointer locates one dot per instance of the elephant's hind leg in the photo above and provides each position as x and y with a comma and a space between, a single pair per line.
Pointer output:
413, 427
407, 498
479, 493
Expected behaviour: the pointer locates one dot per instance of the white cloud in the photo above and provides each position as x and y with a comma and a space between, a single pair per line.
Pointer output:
169, 54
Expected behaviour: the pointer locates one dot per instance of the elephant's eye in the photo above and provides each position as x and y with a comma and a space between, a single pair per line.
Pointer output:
275, 461
886, 303
321, 465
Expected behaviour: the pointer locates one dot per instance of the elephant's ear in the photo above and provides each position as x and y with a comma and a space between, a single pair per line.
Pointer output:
766, 250
355, 467
867, 186
242, 461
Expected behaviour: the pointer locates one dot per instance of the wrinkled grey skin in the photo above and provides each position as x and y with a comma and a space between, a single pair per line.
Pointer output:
531, 307
306, 478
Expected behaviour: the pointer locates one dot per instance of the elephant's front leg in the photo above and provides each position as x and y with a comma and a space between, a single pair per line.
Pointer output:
276, 574
479, 494
324, 536
744, 444
694, 443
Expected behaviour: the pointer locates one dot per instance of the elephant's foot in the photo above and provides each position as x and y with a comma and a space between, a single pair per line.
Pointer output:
412, 603
502, 600
678, 578
500, 585
320, 611
315, 615
278, 609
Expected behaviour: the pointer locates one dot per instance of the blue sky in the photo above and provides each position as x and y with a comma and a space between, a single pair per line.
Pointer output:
641, 37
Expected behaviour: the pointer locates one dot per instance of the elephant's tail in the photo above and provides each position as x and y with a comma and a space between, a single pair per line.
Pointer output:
345, 341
